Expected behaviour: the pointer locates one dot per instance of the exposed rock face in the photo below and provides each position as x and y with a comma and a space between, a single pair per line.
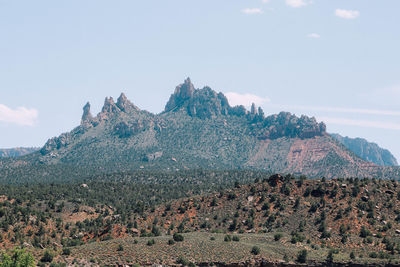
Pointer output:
153, 156
368, 151
125, 130
182, 93
202, 103
125, 105
287, 124
109, 106
207, 104
56, 143
87, 116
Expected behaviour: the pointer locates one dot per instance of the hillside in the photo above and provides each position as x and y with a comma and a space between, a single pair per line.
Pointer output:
17, 152
198, 129
353, 220
368, 151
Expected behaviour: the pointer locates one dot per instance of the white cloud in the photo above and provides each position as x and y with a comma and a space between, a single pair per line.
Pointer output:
296, 3
347, 14
246, 100
252, 11
361, 123
20, 116
314, 35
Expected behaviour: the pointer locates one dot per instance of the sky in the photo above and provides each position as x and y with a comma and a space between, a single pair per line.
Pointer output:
336, 60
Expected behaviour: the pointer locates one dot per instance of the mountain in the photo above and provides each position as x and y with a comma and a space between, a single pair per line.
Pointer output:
17, 152
368, 151
197, 130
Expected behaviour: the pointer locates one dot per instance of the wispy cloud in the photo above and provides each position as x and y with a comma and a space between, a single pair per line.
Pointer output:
246, 100
347, 14
314, 35
252, 11
361, 123
265, 1
21, 116
296, 3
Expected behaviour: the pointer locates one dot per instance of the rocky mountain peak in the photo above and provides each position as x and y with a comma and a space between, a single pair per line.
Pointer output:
109, 106
87, 115
124, 104
182, 93
185, 90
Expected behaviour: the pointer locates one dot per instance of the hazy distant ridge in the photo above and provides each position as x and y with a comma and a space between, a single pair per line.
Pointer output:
367, 150
17, 152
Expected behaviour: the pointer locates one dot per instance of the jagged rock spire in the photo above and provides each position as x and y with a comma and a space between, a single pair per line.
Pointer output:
185, 90
124, 104
109, 106
182, 93
261, 113
253, 110
86, 116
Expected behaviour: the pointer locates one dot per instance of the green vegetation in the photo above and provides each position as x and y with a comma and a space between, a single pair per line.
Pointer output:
18, 258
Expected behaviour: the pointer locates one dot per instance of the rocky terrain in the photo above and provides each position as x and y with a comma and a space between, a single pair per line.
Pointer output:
368, 151
271, 220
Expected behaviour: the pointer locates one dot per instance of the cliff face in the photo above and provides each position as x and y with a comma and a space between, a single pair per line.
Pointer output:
368, 151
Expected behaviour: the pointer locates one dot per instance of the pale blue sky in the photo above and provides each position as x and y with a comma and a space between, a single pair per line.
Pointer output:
336, 60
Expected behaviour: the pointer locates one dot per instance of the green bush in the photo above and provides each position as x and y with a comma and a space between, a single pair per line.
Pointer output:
255, 250
182, 260
47, 257
227, 238
302, 256
18, 258
277, 237
178, 237
66, 251
151, 242
235, 238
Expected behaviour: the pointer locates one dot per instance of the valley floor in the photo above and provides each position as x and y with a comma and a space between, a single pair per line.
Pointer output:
204, 248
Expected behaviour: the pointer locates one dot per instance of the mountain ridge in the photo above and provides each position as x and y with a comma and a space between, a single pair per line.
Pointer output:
197, 130
368, 151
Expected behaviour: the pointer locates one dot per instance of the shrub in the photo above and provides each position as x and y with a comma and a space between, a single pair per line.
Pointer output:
373, 255
120, 248
277, 237
352, 255
302, 256
364, 232
255, 250
329, 258
212, 238
178, 237
182, 260
235, 238
47, 257
18, 258
66, 251
171, 242
227, 238
151, 242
